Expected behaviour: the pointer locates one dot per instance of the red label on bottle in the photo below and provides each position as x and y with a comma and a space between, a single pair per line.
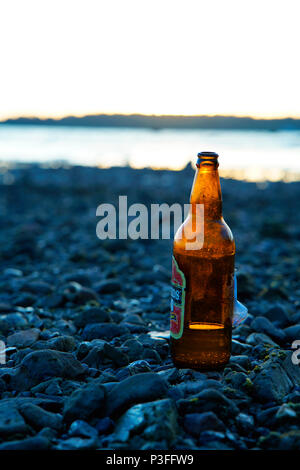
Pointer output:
178, 285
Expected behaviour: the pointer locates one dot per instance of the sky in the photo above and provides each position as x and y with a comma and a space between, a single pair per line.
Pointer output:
186, 57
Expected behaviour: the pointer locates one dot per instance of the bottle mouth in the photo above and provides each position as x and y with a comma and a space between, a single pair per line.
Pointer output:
207, 158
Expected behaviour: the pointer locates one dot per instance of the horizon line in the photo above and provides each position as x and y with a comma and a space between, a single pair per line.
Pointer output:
136, 114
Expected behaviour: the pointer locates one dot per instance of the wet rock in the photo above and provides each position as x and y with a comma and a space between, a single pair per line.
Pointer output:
84, 402
136, 389
196, 423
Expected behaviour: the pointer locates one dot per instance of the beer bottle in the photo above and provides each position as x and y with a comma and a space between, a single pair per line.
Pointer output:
203, 276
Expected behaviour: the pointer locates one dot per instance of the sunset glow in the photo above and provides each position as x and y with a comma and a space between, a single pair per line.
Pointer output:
71, 57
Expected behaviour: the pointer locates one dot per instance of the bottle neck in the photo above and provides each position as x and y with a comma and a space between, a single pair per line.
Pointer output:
207, 189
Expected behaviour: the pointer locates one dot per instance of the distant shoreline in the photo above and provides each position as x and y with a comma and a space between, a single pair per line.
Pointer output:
163, 122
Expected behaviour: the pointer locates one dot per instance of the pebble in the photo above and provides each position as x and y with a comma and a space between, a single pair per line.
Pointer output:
85, 402
86, 323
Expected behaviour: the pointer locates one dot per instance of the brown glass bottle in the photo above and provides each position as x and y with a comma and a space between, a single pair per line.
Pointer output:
203, 276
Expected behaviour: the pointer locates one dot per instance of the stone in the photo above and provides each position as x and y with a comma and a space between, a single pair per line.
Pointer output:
285, 413
77, 443
170, 375
14, 321
261, 338
108, 286
24, 338
104, 353
63, 343
137, 367
196, 423
40, 365
11, 421
82, 429
105, 425
80, 295
239, 381
39, 418
278, 316
242, 360
263, 325
209, 400
239, 348
271, 382
154, 421
138, 388
91, 315
38, 287
31, 443
105, 331
267, 417
292, 333
134, 349
245, 422
84, 402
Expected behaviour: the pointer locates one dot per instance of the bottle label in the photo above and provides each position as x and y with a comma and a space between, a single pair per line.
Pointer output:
178, 285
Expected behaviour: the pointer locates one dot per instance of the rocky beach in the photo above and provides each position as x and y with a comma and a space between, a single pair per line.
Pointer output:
87, 361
